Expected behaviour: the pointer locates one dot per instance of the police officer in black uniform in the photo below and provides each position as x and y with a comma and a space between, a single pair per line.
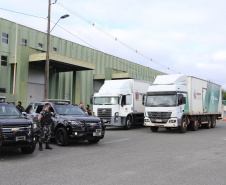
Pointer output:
45, 118
20, 107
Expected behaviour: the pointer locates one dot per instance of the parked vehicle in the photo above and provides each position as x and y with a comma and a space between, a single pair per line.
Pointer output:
179, 101
70, 122
16, 131
119, 102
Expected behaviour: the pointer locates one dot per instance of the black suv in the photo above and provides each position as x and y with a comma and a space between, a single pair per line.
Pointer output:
16, 131
69, 122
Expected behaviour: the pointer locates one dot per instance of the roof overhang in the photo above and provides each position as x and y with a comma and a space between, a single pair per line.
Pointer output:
61, 63
114, 76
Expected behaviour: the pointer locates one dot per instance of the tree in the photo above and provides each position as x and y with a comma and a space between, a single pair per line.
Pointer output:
223, 95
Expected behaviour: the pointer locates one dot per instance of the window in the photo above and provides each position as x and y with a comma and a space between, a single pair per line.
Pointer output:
4, 60
54, 50
29, 109
24, 42
5, 38
39, 45
128, 99
39, 109
2, 90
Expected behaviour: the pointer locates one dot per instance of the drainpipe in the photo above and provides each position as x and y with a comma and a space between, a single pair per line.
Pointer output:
15, 62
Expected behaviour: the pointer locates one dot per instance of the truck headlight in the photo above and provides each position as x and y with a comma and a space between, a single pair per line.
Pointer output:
116, 114
75, 123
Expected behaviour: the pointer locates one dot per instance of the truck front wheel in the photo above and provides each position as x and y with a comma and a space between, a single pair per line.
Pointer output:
183, 127
154, 129
128, 123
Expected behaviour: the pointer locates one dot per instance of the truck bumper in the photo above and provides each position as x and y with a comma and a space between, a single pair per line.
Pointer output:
116, 121
173, 123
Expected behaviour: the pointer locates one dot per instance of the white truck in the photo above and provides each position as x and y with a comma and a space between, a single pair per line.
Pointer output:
119, 102
180, 101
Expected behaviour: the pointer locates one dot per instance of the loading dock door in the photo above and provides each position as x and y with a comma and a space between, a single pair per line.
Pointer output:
35, 86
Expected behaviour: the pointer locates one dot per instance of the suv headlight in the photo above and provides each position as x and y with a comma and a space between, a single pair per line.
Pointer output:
75, 123
34, 126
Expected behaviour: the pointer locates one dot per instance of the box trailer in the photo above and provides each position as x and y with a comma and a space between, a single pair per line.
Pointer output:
119, 102
180, 101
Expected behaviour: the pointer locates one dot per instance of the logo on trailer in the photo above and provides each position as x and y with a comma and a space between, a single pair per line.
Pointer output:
213, 98
137, 96
195, 94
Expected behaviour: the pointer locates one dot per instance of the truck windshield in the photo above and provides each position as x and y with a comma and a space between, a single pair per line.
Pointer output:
69, 110
105, 100
8, 111
161, 101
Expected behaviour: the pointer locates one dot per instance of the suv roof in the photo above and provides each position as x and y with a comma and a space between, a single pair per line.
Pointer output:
54, 101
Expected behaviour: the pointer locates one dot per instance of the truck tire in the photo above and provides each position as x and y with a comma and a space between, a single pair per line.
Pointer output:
29, 149
208, 125
154, 129
61, 137
128, 123
94, 140
213, 122
195, 125
183, 127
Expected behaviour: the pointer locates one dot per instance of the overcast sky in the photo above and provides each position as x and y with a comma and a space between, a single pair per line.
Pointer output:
186, 36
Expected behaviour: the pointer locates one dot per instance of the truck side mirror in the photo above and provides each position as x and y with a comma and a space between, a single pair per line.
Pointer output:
143, 99
184, 100
91, 100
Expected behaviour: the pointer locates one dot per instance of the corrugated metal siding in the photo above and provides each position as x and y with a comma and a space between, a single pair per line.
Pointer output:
66, 48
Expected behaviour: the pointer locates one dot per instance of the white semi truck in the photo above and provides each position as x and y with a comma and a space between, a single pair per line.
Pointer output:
119, 102
180, 101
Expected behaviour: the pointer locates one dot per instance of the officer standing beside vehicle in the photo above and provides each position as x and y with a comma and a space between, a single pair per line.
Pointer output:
45, 118
20, 107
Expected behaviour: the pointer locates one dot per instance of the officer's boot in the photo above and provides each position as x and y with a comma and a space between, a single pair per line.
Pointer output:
40, 147
48, 147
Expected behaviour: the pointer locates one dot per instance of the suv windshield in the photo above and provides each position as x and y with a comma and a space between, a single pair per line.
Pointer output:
161, 101
69, 110
105, 100
8, 110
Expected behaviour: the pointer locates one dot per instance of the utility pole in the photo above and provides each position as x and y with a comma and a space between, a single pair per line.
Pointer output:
47, 56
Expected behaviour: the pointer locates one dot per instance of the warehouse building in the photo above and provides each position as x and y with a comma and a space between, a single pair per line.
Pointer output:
76, 71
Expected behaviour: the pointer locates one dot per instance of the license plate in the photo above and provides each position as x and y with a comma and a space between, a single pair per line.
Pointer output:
158, 120
97, 133
21, 138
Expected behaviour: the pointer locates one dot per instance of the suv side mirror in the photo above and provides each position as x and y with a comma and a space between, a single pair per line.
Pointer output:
24, 114
91, 100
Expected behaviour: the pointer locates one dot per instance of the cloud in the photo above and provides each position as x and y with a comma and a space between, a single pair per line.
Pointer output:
219, 56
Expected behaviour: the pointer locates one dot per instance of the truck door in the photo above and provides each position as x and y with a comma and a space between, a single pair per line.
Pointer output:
204, 104
126, 105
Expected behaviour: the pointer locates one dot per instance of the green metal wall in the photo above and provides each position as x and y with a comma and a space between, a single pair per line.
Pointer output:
84, 79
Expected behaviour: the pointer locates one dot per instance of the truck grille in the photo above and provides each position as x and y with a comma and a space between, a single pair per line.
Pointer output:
104, 114
9, 129
159, 115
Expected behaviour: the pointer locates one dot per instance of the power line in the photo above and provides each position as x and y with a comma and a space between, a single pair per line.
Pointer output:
23, 13
111, 36
114, 58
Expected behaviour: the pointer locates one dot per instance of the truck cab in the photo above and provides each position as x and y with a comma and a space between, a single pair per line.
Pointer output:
119, 103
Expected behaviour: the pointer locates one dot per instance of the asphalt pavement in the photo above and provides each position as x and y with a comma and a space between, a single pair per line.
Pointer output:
132, 157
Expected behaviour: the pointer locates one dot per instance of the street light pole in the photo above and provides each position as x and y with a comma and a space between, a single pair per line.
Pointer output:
47, 56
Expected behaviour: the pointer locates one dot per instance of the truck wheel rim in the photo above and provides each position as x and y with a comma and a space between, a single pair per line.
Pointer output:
196, 124
128, 123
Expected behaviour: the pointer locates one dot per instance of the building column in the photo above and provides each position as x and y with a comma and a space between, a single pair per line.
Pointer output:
73, 87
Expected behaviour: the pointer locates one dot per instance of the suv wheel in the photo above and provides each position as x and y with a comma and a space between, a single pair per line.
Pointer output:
29, 149
61, 137
94, 140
